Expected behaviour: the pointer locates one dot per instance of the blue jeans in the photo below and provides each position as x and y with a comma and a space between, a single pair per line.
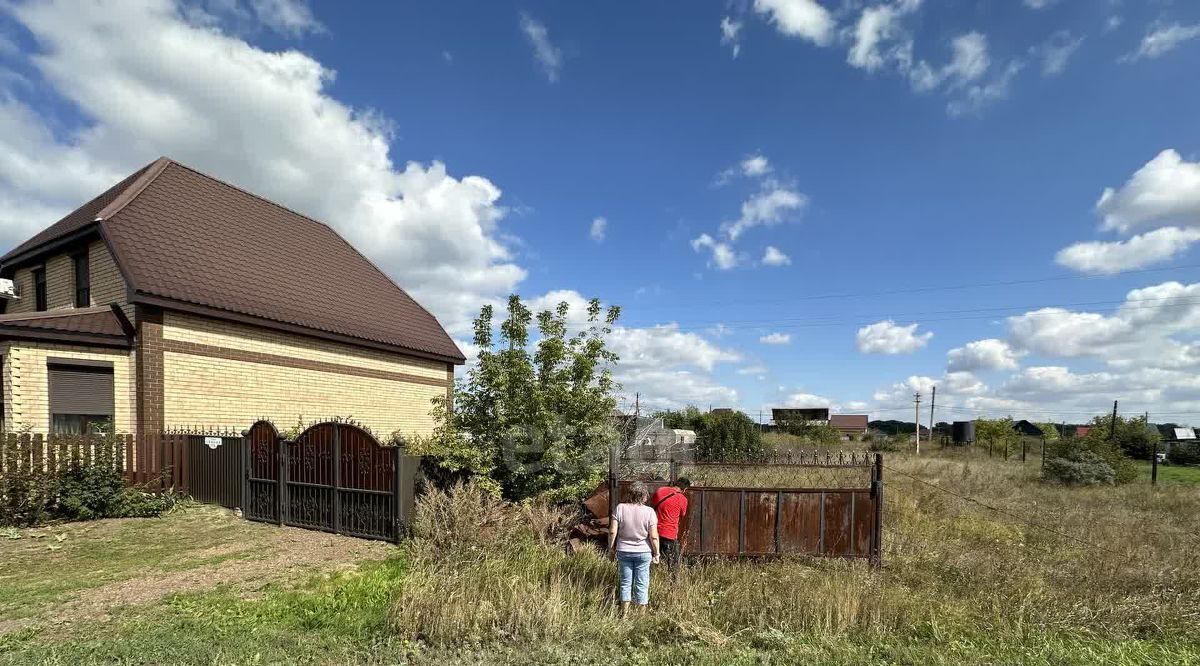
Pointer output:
635, 576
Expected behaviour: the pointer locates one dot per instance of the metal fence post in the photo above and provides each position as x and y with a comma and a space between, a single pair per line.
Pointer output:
281, 483
245, 472
877, 488
397, 479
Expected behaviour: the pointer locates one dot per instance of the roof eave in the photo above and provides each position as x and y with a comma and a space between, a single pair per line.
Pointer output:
141, 298
88, 339
28, 255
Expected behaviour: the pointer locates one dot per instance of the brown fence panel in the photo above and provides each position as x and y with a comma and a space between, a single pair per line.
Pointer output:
212, 469
747, 509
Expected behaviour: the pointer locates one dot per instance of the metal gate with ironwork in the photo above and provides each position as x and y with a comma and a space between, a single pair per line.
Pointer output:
334, 477
821, 504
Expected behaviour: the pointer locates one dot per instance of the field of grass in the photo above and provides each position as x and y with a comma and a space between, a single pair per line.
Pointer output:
1111, 576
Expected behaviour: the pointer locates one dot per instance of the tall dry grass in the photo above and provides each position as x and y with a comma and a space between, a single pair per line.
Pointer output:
482, 570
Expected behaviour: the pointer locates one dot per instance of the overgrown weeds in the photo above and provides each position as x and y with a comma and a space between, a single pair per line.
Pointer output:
1027, 560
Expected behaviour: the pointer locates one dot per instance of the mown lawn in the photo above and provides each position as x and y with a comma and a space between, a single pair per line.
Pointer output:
1113, 579
1171, 474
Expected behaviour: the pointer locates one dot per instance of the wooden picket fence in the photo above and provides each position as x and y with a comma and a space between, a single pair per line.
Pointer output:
25, 453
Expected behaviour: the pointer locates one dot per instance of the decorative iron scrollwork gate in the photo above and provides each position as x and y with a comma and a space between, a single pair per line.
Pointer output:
334, 477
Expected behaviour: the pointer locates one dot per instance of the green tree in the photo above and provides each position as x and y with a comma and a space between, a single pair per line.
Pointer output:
813, 432
688, 418
998, 435
1134, 437
1113, 446
1049, 431
728, 436
529, 423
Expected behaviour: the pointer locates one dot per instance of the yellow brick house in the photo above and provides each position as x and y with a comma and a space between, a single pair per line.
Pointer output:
175, 299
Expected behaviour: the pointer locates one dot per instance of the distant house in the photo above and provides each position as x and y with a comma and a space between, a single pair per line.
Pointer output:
1028, 428
784, 414
850, 424
722, 410
1082, 431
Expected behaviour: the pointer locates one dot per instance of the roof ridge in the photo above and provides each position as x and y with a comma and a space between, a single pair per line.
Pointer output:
119, 202
318, 222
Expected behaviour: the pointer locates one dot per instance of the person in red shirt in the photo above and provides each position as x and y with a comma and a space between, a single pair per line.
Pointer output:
671, 504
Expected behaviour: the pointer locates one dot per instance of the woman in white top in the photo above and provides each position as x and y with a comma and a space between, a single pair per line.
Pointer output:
633, 543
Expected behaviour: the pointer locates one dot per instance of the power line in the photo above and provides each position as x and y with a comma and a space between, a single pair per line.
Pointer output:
864, 319
975, 285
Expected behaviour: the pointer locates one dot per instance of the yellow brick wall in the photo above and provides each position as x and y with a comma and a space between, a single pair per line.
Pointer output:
23, 279
26, 386
216, 392
107, 285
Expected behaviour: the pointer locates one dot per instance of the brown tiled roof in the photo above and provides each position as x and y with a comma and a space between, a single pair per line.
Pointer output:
183, 238
849, 422
77, 219
101, 324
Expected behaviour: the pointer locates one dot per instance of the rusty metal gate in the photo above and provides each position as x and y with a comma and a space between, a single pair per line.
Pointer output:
821, 504
334, 477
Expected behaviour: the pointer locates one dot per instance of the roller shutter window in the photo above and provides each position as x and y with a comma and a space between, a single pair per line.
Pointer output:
81, 398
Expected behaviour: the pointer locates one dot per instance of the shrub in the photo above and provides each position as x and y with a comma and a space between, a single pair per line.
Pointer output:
1184, 454
79, 492
1082, 468
26, 496
86, 492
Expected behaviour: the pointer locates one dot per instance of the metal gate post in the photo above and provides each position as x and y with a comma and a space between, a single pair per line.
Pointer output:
397, 479
877, 532
281, 483
337, 479
245, 473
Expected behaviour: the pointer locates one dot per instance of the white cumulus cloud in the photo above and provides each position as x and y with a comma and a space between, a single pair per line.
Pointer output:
1166, 190
776, 339
770, 206
1104, 258
773, 256
723, 255
990, 354
888, 337
805, 19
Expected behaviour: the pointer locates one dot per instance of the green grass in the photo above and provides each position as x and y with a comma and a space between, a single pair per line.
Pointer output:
1168, 474
484, 583
42, 566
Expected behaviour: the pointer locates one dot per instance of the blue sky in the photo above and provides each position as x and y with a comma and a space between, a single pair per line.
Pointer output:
821, 175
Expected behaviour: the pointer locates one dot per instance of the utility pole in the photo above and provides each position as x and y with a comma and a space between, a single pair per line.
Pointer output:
932, 401
917, 419
760, 421
1112, 426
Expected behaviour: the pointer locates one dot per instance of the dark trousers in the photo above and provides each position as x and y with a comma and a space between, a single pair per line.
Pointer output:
671, 553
